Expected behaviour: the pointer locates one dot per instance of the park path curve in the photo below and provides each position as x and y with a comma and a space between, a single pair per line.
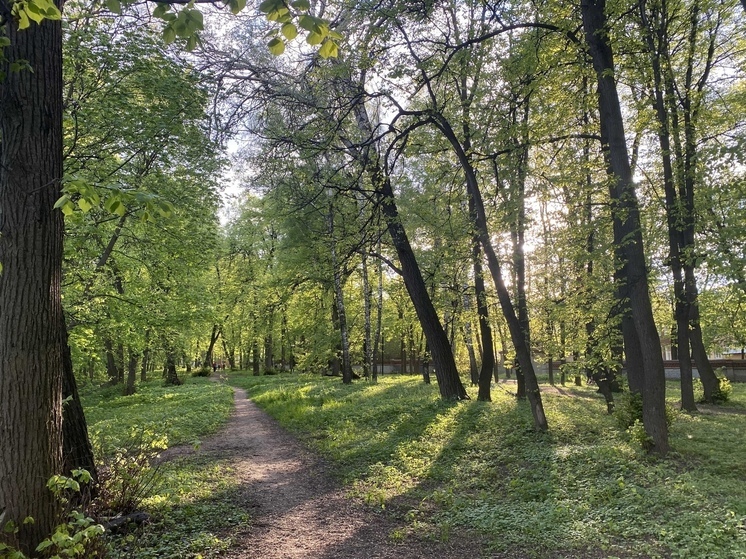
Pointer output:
297, 508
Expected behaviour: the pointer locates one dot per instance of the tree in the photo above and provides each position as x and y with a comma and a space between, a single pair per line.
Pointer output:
31, 322
629, 237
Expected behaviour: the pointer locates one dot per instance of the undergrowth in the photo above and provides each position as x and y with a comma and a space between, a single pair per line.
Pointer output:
190, 502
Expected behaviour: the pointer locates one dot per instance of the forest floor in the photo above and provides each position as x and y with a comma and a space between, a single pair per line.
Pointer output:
297, 507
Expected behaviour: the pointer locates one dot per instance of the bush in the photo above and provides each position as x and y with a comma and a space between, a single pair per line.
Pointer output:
628, 415
202, 372
628, 410
722, 393
127, 477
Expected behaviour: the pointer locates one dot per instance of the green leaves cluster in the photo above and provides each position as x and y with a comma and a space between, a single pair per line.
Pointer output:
26, 11
184, 24
318, 31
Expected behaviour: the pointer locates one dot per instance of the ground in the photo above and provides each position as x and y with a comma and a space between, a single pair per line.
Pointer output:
298, 508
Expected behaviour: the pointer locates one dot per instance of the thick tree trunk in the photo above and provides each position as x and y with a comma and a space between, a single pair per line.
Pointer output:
624, 200
446, 372
31, 321
488, 352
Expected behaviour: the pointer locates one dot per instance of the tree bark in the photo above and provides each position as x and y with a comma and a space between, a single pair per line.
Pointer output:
624, 201
673, 209
77, 452
31, 321
171, 377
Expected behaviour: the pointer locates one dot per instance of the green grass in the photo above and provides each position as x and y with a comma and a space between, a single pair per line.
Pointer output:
583, 488
193, 506
182, 414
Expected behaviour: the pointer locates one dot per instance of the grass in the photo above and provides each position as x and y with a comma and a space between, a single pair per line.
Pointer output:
192, 505
182, 414
583, 489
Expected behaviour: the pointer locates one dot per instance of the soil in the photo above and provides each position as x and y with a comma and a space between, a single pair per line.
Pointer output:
297, 507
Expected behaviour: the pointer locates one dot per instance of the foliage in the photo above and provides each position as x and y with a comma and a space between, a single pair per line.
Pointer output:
584, 486
77, 536
190, 500
721, 395
193, 511
127, 475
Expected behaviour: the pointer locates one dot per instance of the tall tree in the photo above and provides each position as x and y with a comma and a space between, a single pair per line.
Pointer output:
624, 202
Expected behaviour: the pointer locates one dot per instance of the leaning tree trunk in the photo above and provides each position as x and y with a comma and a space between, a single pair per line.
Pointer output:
449, 382
624, 200
517, 333
31, 321
77, 452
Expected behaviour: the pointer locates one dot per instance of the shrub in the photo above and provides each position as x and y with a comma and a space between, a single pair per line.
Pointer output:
722, 393
202, 372
128, 475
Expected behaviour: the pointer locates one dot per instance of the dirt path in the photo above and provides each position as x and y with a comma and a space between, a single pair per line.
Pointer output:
297, 509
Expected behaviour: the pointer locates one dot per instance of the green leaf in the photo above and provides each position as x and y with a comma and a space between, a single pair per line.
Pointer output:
237, 6
169, 35
84, 205
62, 201
278, 14
303, 5
114, 6
270, 6
276, 46
196, 19
191, 43
314, 38
23, 20
308, 23
160, 10
329, 49
290, 31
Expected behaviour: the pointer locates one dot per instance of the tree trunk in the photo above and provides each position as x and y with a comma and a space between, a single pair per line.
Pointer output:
214, 335
255, 358
171, 376
120, 362
624, 201
488, 352
129, 387
145, 358
379, 314
517, 334
340, 306
673, 215
449, 383
367, 302
77, 452
31, 321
